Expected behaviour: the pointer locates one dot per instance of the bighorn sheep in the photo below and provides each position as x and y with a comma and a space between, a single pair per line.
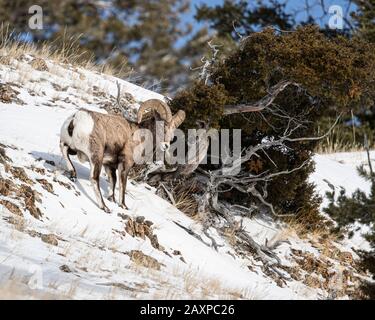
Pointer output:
108, 140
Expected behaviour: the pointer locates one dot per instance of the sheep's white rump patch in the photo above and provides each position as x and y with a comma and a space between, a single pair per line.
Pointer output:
83, 125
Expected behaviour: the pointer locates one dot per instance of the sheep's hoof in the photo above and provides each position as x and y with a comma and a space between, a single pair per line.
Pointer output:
111, 198
105, 209
124, 206
71, 176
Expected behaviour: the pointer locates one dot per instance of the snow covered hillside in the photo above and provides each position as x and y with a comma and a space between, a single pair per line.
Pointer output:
56, 243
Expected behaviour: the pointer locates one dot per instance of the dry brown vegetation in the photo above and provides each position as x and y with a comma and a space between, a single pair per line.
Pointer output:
185, 200
22, 191
139, 227
67, 53
144, 260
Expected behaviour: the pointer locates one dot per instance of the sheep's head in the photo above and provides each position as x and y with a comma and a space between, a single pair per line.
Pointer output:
171, 122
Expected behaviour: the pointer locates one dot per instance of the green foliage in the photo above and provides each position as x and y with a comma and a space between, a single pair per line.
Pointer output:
368, 263
359, 207
248, 17
244, 16
337, 71
334, 74
364, 17
202, 103
346, 209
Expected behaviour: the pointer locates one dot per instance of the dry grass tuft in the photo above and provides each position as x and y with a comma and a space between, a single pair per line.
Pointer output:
65, 50
185, 201
338, 141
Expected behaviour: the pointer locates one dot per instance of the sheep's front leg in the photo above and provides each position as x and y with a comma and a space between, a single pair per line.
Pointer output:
123, 169
112, 179
94, 178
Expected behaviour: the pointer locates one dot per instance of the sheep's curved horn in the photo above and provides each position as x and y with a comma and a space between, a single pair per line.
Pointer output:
178, 118
154, 104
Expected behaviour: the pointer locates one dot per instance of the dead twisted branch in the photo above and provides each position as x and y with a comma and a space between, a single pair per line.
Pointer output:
231, 175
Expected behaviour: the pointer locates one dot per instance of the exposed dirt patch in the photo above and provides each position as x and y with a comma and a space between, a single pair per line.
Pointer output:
144, 260
8, 94
3, 156
50, 239
143, 228
24, 191
39, 64
11, 207
67, 186
112, 106
312, 281
346, 258
339, 279
13, 147
5, 60
64, 184
310, 264
46, 185
7, 187
20, 174
41, 171
17, 221
34, 234
65, 268
295, 272
30, 197
176, 252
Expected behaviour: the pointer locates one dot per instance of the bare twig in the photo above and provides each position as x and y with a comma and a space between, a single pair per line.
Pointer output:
367, 148
118, 99
169, 194
206, 68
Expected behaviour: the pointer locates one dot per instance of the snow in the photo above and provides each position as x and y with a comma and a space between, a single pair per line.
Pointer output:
90, 241
340, 170
34, 129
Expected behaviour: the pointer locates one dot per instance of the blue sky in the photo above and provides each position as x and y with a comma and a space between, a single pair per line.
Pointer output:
292, 5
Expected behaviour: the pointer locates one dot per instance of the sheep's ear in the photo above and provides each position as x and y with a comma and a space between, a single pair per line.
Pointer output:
178, 118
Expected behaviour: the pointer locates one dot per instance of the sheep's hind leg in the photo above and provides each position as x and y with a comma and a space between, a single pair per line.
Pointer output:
111, 173
65, 152
123, 170
94, 178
